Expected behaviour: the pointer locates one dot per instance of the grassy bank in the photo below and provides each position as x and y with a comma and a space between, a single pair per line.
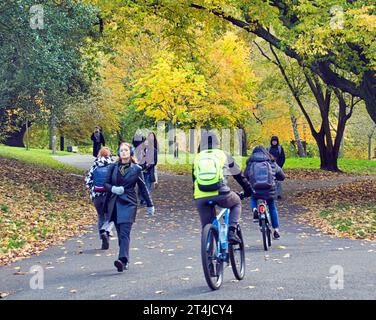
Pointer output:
40, 157
348, 210
39, 206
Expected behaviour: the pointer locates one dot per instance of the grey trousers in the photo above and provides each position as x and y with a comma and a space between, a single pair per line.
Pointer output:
103, 219
124, 238
230, 200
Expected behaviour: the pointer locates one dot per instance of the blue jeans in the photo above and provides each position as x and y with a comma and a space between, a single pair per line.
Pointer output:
272, 210
147, 178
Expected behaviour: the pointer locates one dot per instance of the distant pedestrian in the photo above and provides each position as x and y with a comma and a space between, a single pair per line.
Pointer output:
98, 140
148, 161
276, 150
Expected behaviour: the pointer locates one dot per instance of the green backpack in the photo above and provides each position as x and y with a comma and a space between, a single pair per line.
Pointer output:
208, 169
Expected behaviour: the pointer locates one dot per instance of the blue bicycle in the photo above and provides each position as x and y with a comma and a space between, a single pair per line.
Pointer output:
216, 250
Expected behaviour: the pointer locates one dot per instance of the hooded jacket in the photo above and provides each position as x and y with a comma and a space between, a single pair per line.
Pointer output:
260, 154
277, 151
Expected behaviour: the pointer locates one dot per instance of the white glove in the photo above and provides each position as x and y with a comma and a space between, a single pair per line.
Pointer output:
117, 190
150, 211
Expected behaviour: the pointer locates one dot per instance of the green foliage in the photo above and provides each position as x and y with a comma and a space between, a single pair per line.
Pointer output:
43, 69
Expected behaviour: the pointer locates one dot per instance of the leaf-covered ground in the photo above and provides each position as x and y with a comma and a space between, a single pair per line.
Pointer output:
348, 210
39, 207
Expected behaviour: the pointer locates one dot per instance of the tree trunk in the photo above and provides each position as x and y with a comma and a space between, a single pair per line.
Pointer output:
368, 86
27, 134
52, 129
341, 153
243, 141
370, 136
171, 137
369, 148
299, 144
192, 141
328, 159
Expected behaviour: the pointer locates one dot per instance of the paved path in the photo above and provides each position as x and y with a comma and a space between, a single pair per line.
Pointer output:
165, 259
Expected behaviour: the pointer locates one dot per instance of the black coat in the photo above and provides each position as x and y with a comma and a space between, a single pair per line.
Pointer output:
126, 204
97, 145
277, 152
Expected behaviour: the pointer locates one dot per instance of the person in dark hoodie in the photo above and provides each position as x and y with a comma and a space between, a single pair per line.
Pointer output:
98, 141
276, 150
210, 172
263, 183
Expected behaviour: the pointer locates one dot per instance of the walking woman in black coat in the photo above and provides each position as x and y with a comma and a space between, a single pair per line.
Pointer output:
122, 201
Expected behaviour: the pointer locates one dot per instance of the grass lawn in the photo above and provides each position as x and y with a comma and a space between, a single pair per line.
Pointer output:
41, 157
344, 221
346, 165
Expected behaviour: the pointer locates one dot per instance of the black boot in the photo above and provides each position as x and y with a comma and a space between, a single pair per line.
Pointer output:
105, 240
233, 238
255, 215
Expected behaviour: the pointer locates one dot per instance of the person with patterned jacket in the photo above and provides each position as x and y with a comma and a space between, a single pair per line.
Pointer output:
95, 180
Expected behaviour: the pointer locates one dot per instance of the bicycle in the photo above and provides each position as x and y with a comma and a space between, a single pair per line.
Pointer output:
264, 223
216, 250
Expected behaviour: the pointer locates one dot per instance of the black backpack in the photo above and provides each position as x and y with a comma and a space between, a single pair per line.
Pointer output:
261, 175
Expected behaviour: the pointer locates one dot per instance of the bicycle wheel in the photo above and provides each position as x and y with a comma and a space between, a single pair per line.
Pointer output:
237, 257
268, 234
264, 235
211, 263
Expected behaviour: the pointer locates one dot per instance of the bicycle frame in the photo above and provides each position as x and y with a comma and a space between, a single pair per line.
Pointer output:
263, 215
222, 246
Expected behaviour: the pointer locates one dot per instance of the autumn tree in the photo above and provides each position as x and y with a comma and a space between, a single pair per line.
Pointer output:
44, 67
